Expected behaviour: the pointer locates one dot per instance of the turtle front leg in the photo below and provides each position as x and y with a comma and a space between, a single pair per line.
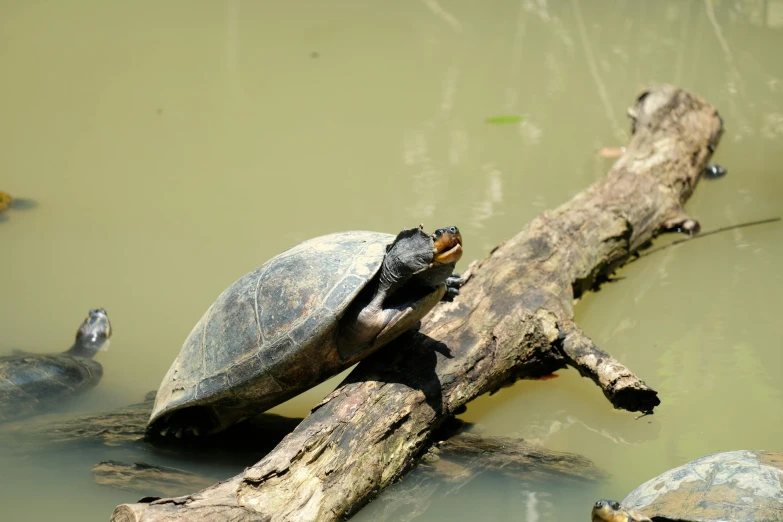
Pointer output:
453, 284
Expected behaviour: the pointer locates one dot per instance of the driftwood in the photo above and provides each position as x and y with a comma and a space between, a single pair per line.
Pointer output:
125, 427
148, 478
465, 455
513, 319
457, 460
451, 465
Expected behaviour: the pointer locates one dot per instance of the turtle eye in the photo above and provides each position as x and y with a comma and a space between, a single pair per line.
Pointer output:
437, 233
615, 505
453, 230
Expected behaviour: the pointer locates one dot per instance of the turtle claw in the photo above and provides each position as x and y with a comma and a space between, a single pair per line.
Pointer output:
453, 282
164, 431
179, 433
679, 221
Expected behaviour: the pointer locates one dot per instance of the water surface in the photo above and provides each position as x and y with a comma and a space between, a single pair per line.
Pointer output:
170, 147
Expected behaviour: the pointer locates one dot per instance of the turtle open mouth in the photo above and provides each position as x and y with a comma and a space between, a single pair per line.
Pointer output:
448, 245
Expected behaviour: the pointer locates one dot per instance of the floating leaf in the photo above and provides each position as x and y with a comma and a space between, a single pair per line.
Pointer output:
501, 120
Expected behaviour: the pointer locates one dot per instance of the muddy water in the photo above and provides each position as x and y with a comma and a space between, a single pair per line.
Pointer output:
166, 148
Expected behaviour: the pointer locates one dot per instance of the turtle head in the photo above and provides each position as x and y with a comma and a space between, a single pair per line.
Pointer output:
93, 335
613, 511
428, 257
447, 247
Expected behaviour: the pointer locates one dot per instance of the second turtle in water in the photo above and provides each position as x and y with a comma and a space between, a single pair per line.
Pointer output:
32, 382
300, 318
740, 486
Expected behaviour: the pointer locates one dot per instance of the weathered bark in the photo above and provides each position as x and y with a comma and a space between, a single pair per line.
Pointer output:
513, 319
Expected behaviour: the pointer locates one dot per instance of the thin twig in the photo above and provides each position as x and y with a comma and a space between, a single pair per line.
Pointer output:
705, 234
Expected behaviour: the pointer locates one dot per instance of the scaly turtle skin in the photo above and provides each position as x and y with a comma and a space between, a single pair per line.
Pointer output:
31, 383
736, 486
300, 318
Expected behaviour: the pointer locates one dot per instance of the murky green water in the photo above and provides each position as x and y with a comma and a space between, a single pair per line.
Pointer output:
173, 146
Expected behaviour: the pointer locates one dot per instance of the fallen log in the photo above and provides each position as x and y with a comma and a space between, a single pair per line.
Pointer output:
456, 460
147, 478
452, 464
125, 428
513, 319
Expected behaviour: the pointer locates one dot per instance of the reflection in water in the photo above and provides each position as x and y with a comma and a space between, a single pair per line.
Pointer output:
173, 146
233, 52
443, 14
428, 178
594, 74
485, 209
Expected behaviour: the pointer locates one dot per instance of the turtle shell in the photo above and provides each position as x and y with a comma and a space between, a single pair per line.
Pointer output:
740, 486
31, 383
272, 334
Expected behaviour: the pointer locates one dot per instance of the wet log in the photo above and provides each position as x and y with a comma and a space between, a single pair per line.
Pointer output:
513, 319
452, 464
466, 455
148, 478
456, 460
115, 428
125, 428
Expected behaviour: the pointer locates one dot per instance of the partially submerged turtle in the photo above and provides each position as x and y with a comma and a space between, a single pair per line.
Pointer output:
613, 511
300, 318
736, 486
31, 382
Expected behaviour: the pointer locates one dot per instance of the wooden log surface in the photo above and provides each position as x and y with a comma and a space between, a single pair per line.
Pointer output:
513, 319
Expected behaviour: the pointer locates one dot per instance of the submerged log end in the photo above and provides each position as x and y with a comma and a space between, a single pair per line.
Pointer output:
619, 384
631, 394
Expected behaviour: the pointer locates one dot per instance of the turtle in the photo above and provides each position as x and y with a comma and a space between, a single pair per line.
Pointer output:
300, 318
34, 382
740, 486
714, 171
5, 200
613, 511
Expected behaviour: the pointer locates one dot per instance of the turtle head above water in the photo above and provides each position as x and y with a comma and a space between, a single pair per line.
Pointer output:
93, 335
447, 245
613, 511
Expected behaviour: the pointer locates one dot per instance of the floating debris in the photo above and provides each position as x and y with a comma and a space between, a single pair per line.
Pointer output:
501, 120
